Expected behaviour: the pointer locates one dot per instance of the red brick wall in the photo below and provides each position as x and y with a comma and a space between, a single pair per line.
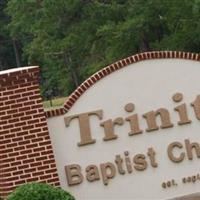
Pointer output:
25, 148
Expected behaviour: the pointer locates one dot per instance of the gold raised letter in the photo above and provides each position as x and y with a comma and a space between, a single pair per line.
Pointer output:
134, 124
73, 173
196, 106
140, 162
189, 146
170, 152
84, 125
151, 153
133, 120
108, 171
128, 162
92, 173
151, 119
181, 109
108, 126
119, 162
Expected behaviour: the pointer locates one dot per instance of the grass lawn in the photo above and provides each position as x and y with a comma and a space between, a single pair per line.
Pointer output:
56, 103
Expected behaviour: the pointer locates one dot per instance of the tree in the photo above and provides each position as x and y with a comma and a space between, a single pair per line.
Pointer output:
39, 191
71, 39
7, 58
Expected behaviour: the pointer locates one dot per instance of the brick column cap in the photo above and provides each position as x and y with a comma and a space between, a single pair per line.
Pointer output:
18, 69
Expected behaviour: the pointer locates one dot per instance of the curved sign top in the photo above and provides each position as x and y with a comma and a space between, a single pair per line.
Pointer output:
133, 133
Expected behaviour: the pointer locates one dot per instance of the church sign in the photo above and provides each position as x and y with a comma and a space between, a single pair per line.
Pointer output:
132, 130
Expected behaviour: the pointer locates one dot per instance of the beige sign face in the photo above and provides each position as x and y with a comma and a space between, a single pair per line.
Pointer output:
135, 134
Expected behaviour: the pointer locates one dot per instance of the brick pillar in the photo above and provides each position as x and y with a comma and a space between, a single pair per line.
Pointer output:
26, 153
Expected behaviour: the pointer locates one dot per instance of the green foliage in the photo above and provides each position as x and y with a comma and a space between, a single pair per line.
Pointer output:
71, 39
39, 191
6, 49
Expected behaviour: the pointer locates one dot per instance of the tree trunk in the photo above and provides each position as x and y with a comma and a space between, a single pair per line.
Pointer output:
68, 61
144, 43
1, 65
16, 50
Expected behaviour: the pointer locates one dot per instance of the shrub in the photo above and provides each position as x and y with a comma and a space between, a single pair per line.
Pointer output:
39, 191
